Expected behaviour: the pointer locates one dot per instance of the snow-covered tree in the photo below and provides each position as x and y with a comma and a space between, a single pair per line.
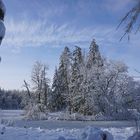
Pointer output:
94, 57
56, 99
100, 86
135, 98
88, 85
11, 99
91, 71
112, 88
76, 80
40, 82
61, 80
38, 92
85, 106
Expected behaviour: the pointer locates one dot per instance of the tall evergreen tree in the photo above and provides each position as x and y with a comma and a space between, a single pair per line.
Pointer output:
94, 57
91, 73
76, 80
56, 97
61, 79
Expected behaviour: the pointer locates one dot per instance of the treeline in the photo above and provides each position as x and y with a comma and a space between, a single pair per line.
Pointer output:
84, 83
11, 99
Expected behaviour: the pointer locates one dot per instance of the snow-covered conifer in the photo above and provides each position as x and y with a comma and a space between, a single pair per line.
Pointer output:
94, 57
76, 79
61, 80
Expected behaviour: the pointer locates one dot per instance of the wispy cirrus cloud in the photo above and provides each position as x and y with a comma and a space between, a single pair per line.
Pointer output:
40, 33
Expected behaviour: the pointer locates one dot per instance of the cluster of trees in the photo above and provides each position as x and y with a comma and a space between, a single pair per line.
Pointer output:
91, 85
84, 83
11, 99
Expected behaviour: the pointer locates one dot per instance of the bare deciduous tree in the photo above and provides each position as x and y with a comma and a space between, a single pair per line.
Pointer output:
38, 95
40, 81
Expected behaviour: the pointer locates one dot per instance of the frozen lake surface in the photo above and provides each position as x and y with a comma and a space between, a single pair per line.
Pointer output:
11, 114
47, 124
17, 117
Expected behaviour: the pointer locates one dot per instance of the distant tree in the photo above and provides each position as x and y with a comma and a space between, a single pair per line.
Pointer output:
130, 19
11, 99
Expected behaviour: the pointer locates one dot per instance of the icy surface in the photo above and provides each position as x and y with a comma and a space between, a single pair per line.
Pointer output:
60, 130
11, 114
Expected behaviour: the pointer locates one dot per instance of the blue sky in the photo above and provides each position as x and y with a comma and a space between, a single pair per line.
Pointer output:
40, 29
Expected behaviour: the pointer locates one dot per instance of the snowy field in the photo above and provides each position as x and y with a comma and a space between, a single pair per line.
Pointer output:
54, 134
52, 130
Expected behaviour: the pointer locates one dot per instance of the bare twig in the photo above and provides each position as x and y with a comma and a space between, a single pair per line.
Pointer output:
131, 18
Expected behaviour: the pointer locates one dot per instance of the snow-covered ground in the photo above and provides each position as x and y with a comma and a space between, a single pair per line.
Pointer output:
52, 130
12, 133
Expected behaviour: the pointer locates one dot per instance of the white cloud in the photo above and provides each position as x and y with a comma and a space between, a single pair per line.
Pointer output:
39, 33
48, 9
